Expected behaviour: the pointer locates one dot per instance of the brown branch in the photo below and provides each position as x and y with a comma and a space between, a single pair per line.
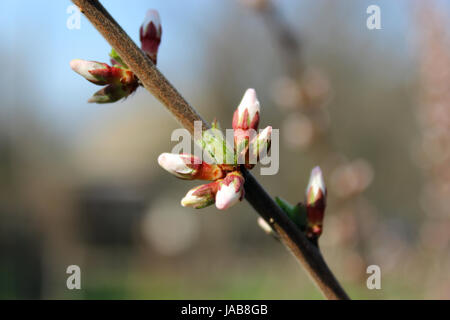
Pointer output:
306, 253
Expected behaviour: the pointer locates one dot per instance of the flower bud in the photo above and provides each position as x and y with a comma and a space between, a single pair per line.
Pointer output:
122, 82
246, 115
231, 190
260, 145
316, 194
108, 94
114, 92
201, 196
181, 165
189, 167
150, 34
91, 70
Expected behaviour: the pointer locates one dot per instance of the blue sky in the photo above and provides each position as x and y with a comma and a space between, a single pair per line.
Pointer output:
37, 42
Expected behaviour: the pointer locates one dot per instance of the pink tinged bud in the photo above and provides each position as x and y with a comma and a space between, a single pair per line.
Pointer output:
315, 202
150, 34
90, 70
316, 189
188, 167
122, 82
247, 113
231, 190
201, 196
181, 165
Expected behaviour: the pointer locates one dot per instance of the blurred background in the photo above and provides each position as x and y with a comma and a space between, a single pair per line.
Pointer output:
80, 183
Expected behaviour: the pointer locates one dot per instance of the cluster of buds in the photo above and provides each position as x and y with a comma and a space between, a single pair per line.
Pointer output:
227, 186
226, 189
120, 82
118, 79
307, 216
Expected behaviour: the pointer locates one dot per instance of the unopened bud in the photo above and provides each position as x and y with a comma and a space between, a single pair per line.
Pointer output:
189, 167
201, 196
108, 94
91, 70
246, 115
150, 34
121, 82
316, 194
113, 92
260, 145
231, 190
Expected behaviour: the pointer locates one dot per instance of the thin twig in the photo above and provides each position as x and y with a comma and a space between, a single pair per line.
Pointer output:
152, 79
288, 42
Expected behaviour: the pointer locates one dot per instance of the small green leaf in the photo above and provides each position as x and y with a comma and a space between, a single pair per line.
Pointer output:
296, 213
113, 54
286, 206
301, 216
214, 142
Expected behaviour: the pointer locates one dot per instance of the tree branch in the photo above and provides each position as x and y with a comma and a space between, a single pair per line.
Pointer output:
155, 82
286, 39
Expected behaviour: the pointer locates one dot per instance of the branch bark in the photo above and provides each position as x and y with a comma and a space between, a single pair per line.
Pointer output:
155, 82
